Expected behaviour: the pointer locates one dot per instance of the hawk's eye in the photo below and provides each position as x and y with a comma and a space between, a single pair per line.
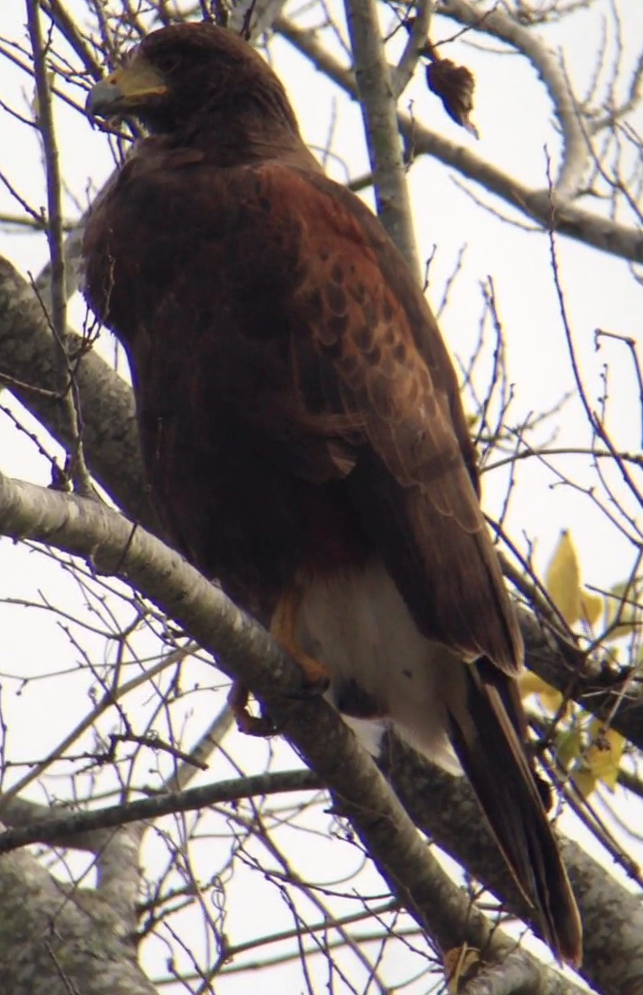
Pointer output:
167, 62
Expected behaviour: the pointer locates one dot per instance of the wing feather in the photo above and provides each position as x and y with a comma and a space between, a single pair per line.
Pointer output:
414, 479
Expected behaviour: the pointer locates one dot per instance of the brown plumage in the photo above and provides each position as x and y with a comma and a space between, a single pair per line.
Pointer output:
301, 423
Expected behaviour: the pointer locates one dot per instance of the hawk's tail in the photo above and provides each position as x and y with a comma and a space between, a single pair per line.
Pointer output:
515, 801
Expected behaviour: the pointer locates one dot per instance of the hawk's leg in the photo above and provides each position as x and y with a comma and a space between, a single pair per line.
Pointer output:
315, 674
282, 629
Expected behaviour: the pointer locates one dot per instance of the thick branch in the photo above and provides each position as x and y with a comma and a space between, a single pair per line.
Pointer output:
614, 697
440, 804
246, 651
56, 944
402, 74
28, 354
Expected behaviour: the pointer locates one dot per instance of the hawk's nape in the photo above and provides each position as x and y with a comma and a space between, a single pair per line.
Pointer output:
302, 428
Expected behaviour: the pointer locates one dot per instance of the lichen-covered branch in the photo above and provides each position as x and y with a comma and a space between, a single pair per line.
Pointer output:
55, 943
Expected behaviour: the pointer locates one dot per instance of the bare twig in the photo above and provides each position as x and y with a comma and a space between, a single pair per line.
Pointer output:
78, 470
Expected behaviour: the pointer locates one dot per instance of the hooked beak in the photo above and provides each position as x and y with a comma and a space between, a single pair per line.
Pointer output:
125, 90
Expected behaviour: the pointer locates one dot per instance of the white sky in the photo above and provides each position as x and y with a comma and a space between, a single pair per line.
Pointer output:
513, 115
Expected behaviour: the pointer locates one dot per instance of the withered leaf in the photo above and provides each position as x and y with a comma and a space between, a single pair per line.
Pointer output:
454, 85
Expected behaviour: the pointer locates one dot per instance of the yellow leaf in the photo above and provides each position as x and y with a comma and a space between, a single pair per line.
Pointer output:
531, 683
604, 755
459, 965
562, 579
568, 746
585, 781
624, 602
548, 696
601, 759
551, 699
591, 607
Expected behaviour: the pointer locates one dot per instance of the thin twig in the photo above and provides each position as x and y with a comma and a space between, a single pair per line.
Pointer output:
58, 313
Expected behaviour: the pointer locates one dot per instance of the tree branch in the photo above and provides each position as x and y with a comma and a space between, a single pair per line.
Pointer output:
612, 695
85, 830
557, 215
68, 407
246, 652
499, 24
377, 101
55, 943
118, 864
402, 73
28, 355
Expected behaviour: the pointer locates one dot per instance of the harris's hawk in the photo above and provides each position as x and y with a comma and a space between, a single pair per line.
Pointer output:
301, 425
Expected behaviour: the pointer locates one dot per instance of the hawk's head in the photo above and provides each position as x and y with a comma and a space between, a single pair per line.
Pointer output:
184, 71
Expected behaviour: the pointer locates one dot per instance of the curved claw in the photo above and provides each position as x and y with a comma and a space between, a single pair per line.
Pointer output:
252, 725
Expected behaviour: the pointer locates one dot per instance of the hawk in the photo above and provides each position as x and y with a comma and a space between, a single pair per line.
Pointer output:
301, 424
